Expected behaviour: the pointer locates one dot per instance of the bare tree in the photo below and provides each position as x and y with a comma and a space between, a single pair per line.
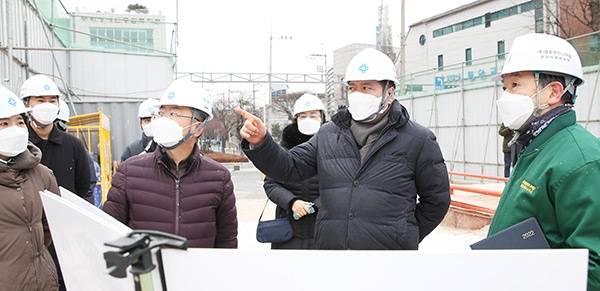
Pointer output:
137, 8
574, 17
285, 103
226, 122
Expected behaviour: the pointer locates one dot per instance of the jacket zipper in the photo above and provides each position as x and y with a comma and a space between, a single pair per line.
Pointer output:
34, 244
177, 201
350, 140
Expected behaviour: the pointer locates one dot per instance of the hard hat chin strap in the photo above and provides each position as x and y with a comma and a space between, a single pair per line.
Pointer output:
190, 133
35, 122
384, 101
538, 107
10, 161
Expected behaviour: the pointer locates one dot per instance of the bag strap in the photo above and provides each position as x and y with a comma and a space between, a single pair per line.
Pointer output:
263, 210
264, 207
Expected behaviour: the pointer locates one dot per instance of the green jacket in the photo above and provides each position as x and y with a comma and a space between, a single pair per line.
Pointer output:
557, 181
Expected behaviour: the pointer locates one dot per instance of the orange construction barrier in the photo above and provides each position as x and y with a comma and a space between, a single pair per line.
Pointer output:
478, 176
490, 192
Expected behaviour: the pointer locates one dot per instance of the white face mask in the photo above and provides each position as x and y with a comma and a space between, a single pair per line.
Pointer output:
13, 141
147, 128
308, 126
45, 113
362, 105
516, 109
167, 132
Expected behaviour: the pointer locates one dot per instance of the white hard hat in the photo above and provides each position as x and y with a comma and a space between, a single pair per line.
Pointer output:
148, 108
543, 53
371, 64
184, 92
39, 85
64, 112
10, 104
308, 102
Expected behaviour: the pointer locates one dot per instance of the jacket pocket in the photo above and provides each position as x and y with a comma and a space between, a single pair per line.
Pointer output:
407, 235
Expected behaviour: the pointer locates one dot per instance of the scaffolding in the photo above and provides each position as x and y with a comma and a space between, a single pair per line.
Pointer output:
94, 129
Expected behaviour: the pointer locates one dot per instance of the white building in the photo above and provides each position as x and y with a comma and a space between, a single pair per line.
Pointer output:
131, 32
449, 60
463, 43
45, 39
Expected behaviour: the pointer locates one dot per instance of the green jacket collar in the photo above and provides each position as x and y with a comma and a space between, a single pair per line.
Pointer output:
555, 126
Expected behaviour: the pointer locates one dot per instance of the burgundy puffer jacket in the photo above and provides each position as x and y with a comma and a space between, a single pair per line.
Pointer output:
199, 205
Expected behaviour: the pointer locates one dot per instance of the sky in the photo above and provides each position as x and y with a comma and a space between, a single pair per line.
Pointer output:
234, 35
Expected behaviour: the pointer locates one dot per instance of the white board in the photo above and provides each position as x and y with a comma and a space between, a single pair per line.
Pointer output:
79, 234
80, 231
221, 269
93, 210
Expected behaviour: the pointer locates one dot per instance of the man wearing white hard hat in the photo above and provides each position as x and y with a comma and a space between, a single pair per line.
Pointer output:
147, 110
176, 189
372, 162
295, 200
63, 153
557, 164
25, 263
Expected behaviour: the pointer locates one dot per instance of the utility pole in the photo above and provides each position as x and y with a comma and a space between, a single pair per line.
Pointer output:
329, 90
269, 108
402, 72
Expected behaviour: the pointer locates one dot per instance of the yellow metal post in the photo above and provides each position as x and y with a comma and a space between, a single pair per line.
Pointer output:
94, 129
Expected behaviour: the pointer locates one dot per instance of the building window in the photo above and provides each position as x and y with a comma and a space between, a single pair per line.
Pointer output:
114, 38
422, 39
595, 43
440, 62
501, 50
468, 57
487, 18
539, 16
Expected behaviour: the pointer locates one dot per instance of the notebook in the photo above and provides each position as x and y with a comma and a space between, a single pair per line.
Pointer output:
526, 234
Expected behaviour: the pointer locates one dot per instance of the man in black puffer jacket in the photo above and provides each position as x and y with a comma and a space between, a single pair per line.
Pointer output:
382, 177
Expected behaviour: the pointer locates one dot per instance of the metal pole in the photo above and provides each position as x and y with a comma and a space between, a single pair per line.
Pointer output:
402, 52
7, 82
270, 91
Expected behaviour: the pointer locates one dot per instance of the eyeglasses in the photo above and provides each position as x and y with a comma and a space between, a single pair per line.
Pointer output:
170, 115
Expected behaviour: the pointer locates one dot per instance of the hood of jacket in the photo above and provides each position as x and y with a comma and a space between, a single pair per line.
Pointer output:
291, 136
10, 174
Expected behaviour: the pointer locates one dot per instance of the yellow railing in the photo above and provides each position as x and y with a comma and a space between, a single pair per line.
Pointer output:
94, 129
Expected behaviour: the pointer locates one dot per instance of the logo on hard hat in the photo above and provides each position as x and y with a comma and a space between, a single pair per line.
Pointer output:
554, 54
12, 101
307, 103
47, 87
363, 68
171, 95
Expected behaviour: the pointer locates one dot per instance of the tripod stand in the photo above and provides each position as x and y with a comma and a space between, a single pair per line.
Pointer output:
135, 250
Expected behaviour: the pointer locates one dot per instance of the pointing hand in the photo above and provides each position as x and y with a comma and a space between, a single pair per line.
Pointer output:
254, 130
